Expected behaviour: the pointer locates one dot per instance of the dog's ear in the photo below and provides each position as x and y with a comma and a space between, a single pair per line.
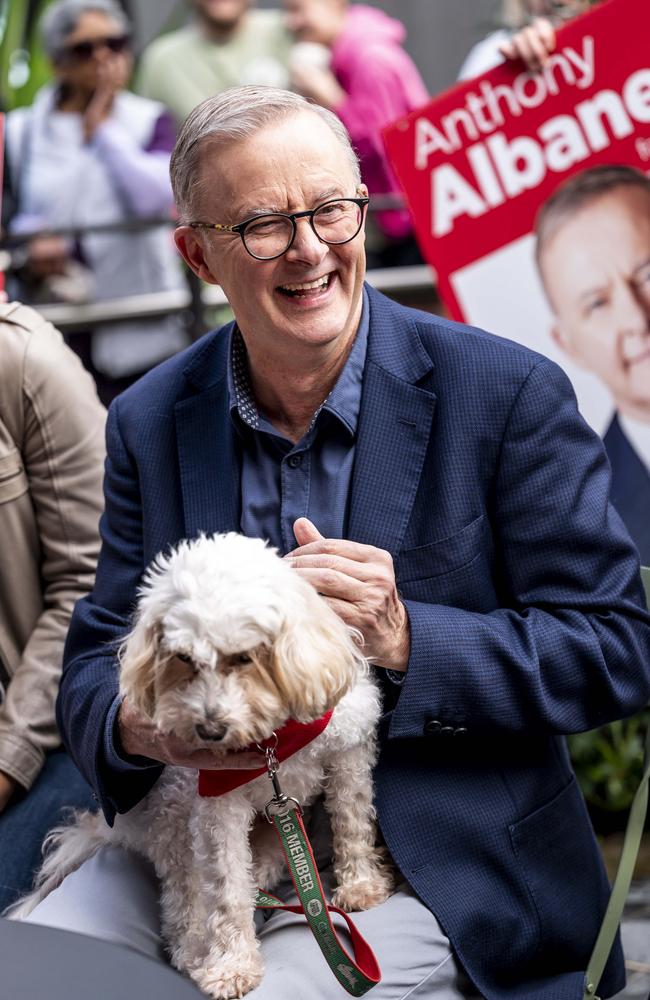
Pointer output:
138, 656
315, 658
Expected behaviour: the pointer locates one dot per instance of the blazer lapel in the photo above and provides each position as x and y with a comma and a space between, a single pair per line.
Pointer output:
393, 435
394, 428
207, 456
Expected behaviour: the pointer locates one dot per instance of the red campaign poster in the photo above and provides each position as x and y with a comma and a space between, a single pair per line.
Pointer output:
485, 163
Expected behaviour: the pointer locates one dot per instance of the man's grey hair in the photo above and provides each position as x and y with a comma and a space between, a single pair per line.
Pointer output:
236, 114
62, 17
576, 193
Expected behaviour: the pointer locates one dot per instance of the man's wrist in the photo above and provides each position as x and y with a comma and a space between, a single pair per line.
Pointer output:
128, 741
398, 657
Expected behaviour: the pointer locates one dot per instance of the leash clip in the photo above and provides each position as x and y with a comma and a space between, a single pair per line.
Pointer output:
279, 801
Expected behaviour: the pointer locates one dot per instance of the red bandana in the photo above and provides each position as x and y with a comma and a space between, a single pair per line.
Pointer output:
292, 736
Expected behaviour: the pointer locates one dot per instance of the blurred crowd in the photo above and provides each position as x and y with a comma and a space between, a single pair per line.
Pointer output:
87, 201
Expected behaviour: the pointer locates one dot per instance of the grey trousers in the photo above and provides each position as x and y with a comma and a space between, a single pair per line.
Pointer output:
114, 896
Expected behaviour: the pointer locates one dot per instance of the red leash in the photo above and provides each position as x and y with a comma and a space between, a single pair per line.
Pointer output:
356, 974
293, 736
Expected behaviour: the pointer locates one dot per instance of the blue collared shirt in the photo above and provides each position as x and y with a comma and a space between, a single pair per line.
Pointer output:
281, 481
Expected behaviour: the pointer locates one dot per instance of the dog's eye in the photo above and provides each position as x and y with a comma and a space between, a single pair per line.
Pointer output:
184, 658
240, 659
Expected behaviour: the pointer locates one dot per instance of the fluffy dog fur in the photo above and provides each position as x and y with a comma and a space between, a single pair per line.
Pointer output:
228, 643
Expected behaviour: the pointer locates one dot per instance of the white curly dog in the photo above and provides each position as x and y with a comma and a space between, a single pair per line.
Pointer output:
228, 644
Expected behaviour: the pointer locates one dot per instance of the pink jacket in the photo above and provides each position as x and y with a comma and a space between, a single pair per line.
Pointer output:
382, 84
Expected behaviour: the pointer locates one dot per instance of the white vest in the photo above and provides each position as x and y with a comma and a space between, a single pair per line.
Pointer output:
62, 181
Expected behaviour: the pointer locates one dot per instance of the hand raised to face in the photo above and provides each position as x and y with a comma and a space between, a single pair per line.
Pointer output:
112, 76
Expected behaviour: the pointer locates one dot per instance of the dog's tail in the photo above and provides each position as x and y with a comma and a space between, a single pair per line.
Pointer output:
65, 848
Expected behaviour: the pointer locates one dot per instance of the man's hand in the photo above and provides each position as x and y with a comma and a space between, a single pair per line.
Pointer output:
7, 789
318, 84
358, 583
139, 737
533, 45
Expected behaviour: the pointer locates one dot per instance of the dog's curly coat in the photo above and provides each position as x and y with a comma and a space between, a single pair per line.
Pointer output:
229, 642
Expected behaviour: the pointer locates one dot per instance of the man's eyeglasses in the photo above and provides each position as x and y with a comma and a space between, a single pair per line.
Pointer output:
268, 236
85, 50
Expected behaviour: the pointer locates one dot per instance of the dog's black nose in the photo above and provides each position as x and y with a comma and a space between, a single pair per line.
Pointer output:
214, 732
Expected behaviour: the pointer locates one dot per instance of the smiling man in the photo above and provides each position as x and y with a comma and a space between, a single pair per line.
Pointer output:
438, 487
593, 254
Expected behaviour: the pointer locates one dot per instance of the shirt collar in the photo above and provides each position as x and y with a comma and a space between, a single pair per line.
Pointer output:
343, 402
638, 435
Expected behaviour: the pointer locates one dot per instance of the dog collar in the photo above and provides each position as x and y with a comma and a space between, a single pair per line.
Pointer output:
293, 736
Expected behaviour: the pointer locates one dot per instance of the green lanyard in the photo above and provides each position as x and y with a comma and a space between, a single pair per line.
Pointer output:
621, 886
356, 975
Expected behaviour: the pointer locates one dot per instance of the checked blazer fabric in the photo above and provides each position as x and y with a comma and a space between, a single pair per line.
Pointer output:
630, 492
475, 471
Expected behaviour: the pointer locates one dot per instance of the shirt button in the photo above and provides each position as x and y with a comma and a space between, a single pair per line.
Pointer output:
295, 461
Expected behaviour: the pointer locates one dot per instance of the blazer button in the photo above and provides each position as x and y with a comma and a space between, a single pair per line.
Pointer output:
432, 727
460, 731
447, 731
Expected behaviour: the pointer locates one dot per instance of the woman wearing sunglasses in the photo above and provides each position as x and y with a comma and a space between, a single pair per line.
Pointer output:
89, 153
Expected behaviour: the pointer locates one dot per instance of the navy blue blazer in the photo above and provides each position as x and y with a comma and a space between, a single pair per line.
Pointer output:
475, 470
630, 492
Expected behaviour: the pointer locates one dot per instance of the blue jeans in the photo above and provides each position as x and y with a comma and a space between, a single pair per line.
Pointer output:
26, 821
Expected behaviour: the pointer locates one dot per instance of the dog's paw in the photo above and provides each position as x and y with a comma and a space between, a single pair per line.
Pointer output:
365, 894
364, 881
229, 978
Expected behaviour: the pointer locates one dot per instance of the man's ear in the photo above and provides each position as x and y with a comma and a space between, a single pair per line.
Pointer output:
190, 246
362, 192
564, 343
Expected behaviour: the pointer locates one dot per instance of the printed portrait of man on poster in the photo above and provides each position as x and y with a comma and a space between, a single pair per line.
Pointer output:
531, 199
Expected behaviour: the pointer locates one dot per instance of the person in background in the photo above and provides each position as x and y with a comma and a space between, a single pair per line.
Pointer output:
593, 256
369, 81
89, 153
51, 466
528, 34
228, 45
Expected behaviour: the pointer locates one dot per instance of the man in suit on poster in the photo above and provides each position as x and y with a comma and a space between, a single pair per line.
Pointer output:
437, 485
593, 255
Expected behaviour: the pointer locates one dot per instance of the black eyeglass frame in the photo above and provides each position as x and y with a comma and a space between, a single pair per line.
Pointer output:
241, 227
84, 50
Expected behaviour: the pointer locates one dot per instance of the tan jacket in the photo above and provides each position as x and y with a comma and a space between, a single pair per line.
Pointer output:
51, 466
